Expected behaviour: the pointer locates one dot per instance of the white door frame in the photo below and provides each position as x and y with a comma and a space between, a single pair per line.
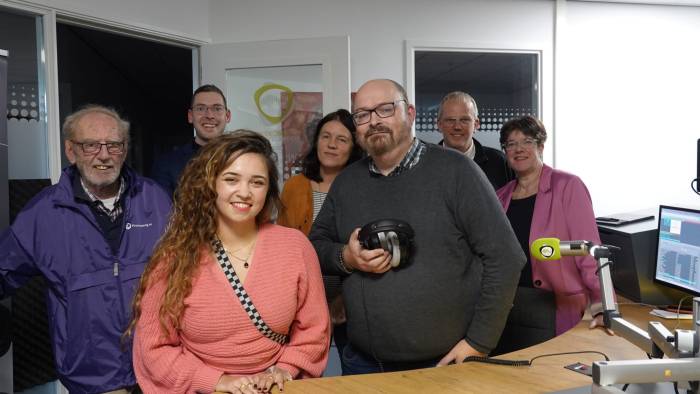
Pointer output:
332, 53
545, 72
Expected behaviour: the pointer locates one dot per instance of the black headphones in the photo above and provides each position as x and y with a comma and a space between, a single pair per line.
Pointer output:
393, 235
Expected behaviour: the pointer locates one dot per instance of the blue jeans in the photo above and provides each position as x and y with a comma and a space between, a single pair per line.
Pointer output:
355, 362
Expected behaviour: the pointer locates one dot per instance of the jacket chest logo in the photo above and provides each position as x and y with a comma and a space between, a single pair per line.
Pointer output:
129, 225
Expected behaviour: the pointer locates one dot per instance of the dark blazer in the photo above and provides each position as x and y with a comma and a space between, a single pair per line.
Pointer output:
493, 163
168, 167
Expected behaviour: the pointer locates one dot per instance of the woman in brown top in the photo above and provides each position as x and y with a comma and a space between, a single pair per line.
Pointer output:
334, 148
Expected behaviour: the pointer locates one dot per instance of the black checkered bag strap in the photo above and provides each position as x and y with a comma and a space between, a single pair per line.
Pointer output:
242, 295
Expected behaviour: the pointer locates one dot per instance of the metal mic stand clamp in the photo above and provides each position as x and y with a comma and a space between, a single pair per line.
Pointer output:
681, 347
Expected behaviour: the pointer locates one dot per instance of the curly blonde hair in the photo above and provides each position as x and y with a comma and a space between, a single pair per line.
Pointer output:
193, 221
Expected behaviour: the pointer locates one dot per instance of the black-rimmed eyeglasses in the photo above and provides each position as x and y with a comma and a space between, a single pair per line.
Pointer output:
383, 110
91, 148
202, 109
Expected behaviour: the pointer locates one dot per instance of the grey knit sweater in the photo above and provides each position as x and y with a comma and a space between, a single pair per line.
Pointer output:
461, 277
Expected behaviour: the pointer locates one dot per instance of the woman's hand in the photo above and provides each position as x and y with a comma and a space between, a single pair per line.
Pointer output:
599, 322
237, 384
273, 376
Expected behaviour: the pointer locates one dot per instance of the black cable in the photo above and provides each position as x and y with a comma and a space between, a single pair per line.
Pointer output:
694, 186
524, 363
610, 263
624, 388
564, 353
497, 361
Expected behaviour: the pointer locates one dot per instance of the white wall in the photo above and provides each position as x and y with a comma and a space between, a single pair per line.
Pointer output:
627, 103
378, 28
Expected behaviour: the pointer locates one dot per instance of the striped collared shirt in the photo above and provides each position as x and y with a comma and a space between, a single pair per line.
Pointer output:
409, 161
113, 213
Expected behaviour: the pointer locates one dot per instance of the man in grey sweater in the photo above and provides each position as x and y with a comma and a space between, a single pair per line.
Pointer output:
451, 299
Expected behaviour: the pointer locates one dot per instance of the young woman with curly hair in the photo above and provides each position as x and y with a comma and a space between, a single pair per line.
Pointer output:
229, 301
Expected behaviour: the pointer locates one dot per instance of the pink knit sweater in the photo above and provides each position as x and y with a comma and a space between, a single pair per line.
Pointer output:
284, 282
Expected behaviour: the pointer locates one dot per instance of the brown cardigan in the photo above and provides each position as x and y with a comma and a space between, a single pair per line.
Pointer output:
298, 212
298, 209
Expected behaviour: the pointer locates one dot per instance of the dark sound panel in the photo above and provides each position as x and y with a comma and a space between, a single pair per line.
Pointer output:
33, 361
5, 330
23, 190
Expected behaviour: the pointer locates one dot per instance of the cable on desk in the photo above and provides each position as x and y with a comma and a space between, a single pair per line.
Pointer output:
678, 311
564, 353
639, 304
525, 363
498, 361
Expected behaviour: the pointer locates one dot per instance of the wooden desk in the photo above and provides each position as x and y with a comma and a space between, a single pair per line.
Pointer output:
545, 375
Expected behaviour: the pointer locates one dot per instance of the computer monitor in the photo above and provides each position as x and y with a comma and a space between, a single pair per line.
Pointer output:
678, 249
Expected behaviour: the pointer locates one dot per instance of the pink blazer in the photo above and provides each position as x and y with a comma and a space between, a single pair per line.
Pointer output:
563, 210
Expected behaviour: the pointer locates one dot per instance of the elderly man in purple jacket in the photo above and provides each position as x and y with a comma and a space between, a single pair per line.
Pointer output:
90, 236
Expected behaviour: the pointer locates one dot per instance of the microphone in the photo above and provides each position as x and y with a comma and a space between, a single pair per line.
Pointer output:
547, 249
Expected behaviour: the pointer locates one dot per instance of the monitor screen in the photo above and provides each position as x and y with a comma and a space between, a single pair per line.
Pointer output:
678, 249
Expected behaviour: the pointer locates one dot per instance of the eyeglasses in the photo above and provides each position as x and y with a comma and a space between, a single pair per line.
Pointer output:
91, 148
451, 122
527, 143
201, 109
384, 110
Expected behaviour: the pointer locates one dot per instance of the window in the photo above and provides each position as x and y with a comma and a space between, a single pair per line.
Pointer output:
504, 85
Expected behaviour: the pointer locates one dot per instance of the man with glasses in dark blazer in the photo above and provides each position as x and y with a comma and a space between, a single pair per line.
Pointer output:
209, 115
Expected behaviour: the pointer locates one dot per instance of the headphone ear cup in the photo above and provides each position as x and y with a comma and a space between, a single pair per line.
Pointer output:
394, 236
395, 249
383, 241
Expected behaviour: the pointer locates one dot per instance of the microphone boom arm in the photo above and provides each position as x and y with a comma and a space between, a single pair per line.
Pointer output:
683, 364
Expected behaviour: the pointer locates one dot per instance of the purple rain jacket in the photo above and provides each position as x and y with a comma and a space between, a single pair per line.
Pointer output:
90, 289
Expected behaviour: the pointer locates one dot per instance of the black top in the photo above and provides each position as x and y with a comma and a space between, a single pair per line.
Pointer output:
168, 167
520, 216
111, 229
493, 163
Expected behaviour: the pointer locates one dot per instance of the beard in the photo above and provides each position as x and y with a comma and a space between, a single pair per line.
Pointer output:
378, 140
102, 185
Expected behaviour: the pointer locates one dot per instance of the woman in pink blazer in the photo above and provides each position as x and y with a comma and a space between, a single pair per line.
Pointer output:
544, 202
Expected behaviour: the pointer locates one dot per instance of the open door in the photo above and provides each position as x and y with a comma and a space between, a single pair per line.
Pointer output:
281, 88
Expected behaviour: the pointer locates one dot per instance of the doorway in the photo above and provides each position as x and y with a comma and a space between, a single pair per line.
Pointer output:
147, 82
